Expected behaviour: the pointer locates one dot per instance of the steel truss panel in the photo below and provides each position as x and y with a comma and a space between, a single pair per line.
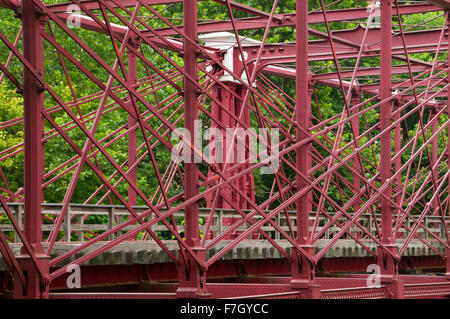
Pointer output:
101, 104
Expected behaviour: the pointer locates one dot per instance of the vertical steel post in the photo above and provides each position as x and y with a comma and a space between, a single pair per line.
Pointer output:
191, 282
386, 115
447, 275
33, 124
132, 135
302, 116
302, 269
386, 262
33, 102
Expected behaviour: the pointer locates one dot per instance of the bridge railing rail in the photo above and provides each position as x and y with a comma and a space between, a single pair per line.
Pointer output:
79, 222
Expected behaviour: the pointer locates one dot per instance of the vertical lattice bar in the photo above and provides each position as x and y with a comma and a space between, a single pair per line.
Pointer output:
132, 138
356, 99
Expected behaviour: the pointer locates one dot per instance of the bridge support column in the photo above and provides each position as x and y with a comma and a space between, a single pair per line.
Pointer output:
191, 279
303, 271
389, 272
386, 262
36, 288
395, 289
33, 101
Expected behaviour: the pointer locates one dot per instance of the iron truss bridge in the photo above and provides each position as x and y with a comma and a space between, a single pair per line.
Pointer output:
128, 165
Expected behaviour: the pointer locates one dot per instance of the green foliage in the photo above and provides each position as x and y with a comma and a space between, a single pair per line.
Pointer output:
12, 136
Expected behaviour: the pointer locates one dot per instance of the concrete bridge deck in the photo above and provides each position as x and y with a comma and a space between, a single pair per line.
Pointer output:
148, 252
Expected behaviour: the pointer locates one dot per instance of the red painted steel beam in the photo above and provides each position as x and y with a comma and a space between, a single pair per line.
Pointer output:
189, 278
132, 135
447, 252
56, 97
370, 72
419, 41
330, 79
386, 261
302, 269
33, 103
33, 125
288, 20
349, 46
281, 19
444, 4
416, 41
400, 84
94, 4
11, 4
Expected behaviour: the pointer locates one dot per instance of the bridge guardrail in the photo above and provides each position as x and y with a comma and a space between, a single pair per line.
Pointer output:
222, 218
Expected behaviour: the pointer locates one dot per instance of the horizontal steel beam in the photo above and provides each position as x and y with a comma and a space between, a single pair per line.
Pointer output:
441, 3
363, 72
319, 50
286, 20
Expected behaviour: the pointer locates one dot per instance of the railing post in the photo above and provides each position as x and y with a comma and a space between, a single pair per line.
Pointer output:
19, 218
111, 215
67, 227
80, 223
119, 221
220, 223
278, 220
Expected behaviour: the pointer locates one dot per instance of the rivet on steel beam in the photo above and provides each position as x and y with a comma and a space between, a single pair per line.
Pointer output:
42, 87
135, 42
40, 13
